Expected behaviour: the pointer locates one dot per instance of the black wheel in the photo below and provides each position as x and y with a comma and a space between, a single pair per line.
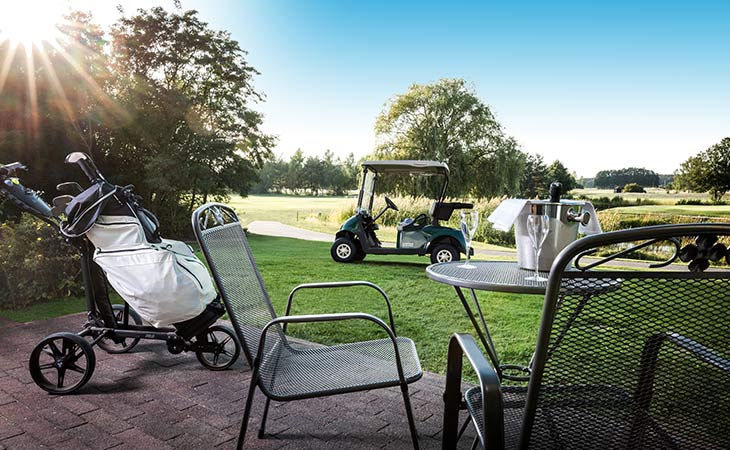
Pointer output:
126, 344
444, 253
343, 250
62, 363
225, 348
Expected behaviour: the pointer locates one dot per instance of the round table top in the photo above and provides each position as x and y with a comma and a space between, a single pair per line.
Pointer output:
500, 276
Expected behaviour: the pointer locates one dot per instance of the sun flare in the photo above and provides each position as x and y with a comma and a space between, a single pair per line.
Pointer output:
30, 21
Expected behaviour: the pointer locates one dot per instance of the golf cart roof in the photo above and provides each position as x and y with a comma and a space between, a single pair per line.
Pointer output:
407, 166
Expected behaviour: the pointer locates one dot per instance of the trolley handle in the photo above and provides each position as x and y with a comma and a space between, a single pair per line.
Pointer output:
86, 164
7, 170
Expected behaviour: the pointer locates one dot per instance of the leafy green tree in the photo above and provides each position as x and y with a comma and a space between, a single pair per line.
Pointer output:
611, 178
534, 182
708, 171
558, 172
272, 177
446, 121
191, 132
295, 173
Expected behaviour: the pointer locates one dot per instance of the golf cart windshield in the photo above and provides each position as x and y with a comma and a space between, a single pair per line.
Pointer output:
366, 194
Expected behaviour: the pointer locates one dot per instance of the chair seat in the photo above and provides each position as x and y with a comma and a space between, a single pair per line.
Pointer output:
597, 417
294, 371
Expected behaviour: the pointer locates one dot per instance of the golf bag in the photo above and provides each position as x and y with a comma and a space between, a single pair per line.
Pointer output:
161, 279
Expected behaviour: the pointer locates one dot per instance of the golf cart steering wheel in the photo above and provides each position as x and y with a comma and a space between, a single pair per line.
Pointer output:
390, 204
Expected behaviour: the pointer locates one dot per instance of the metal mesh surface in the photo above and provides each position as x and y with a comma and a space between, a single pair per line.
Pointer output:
241, 287
639, 389
633, 359
300, 370
291, 369
502, 276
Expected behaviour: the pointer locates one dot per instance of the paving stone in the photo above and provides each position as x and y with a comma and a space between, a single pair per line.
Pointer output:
9, 429
95, 437
148, 399
135, 438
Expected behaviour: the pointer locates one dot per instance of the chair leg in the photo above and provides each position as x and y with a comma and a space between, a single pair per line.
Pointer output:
247, 409
262, 430
409, 413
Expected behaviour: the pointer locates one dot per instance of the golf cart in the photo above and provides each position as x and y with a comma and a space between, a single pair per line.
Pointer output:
419, 236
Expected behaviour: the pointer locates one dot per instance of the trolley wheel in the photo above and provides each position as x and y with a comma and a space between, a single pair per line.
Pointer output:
225, 344
126, 344
62, 363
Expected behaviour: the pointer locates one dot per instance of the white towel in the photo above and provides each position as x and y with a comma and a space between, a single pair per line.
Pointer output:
504, 216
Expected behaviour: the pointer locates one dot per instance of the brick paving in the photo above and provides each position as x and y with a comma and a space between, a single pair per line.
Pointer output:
150, 399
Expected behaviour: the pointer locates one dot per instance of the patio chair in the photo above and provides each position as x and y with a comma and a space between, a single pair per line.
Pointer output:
289, 369
625, 358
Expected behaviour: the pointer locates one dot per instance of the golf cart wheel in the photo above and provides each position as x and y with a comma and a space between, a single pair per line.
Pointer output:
126, 344
444, 253
62, 363
343, 250
225, 344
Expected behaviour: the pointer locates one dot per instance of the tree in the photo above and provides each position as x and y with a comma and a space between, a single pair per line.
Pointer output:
54, 100
534, 182
191, 132
609, 178
445, 121
558, 172
708, 171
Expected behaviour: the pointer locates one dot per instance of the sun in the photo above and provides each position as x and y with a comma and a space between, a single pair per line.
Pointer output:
30, 21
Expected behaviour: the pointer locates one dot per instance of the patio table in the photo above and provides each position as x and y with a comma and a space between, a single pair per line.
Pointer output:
502, 276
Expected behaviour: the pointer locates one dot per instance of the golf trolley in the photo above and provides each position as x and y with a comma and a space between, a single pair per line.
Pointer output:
64, 362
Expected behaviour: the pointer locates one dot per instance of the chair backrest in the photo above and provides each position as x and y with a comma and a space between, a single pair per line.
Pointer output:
234, 270
638, 357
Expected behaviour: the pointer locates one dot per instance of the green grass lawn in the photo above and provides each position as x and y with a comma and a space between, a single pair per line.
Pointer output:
677, 210
655, 194
426, 311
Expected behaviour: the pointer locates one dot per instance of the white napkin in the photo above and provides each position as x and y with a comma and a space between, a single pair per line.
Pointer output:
506, 213
504, 216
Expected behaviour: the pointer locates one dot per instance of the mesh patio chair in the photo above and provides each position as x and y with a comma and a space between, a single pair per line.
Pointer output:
625, 358
286, 369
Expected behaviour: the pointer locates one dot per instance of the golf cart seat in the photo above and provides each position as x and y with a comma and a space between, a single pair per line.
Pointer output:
443, 210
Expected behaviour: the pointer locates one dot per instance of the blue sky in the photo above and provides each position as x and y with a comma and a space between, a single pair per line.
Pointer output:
599, 86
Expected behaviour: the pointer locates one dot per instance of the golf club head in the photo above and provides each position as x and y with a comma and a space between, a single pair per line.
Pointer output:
59, 204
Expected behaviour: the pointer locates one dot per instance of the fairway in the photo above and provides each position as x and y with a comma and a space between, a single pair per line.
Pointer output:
299, 211
677, 210
654, 194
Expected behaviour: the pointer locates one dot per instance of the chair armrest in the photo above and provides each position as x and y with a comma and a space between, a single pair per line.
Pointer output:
650, 355
341, 284
313, 318
460, 345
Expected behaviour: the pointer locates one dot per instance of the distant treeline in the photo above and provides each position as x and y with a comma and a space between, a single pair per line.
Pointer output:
313, 175
612, 178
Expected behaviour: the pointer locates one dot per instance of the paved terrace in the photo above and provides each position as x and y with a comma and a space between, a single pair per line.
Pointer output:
149, 399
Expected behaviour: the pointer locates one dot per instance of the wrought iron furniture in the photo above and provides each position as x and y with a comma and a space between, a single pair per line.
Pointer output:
288, 369
500, 276
644, 365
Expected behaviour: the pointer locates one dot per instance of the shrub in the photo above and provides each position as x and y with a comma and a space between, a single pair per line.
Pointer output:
35, 264
697, 202
601, 203
633, 187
